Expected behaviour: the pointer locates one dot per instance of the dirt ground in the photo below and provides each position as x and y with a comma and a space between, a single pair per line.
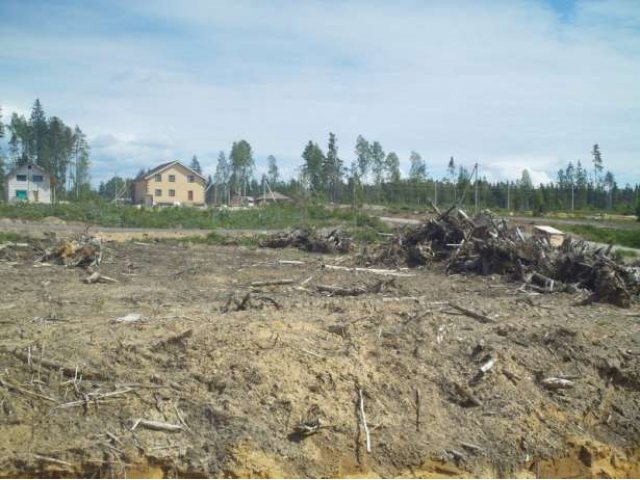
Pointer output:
235, 390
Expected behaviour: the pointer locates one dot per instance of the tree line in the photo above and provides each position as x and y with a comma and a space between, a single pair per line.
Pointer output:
62, 151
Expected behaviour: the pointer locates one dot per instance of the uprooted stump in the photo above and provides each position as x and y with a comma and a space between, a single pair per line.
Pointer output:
486, 245
84, 251
310, 240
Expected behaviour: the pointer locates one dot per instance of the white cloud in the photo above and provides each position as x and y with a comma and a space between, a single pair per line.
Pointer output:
507, 84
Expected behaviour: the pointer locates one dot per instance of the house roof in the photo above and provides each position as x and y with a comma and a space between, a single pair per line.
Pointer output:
272, 196
164, 166
32, 165
548, 229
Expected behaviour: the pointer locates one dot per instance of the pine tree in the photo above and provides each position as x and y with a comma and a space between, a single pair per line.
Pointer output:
38, 138
195, 165
332, 168
273, 175
597, 164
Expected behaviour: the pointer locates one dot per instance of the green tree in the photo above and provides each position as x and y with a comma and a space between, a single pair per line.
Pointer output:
273, 174
20, 140
597, 164
526, 185
59, 151
333, 170
195, 165
221, 179
242, 165
377, 166
363, 157
418, 168
312, 168
82, 163
609, 183
392, 167
39, 141
2, 165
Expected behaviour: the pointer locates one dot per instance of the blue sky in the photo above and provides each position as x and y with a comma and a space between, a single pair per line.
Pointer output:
509, 84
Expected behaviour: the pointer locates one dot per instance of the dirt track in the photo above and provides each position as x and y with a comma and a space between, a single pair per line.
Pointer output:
237, 384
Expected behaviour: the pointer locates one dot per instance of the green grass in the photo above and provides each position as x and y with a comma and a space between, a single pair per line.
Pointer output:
12, 237
269, 217
625, 237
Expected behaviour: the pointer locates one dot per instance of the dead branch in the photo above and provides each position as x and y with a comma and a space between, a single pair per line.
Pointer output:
375, 271
173, 339
268, 283
363, 418
470, 313
97, 277
94, 397
66, 370
154, 425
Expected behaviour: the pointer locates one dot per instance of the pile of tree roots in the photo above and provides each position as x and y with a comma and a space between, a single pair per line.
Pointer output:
488, 245
310, 240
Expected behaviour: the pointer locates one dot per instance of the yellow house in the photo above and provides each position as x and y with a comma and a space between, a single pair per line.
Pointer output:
170, 184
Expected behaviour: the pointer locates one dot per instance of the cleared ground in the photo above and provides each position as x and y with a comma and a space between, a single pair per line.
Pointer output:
239, 386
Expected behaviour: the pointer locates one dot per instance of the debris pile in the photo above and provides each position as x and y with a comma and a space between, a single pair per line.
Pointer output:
487, 245
310, 240
84, 251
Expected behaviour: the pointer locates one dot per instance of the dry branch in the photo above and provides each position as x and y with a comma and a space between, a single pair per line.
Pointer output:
154, 425
470, 313
375, 271
363, 418
66, 370
268, 283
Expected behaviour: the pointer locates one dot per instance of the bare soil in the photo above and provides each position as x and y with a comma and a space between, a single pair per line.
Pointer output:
237, 387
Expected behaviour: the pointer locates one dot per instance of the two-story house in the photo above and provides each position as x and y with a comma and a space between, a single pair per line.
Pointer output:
28, 183
170, 184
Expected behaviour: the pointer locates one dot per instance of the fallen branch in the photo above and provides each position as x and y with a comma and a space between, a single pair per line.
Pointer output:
94, 397
97, 277
24, 391
66, 370
555, 383
267, 283
376, 271
470, 313
154, 425
364, 422
337, 291
42, 458
173, 339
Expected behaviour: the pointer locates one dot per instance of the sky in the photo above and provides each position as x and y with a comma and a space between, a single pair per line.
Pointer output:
508, 84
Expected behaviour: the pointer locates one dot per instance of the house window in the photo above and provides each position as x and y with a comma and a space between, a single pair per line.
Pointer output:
21, 178
158, 177
192, 178
37, 178
172, 193
172, 178
21, 194
158, 192
190, 195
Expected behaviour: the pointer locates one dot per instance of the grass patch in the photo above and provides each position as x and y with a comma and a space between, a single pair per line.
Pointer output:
617, 236
268, 217
13, 237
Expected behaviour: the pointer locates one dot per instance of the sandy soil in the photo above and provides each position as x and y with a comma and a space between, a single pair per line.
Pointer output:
235, 385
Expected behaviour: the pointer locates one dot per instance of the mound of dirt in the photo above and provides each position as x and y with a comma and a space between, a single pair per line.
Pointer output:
161, 375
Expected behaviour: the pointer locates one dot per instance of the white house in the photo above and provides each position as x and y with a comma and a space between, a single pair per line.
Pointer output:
28, 183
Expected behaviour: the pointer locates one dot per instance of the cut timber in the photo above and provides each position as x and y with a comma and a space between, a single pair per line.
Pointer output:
375, 271
470, 313
555, 383
337, 291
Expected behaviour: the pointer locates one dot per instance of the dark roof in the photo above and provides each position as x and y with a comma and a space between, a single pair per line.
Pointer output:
33, 165
162, 166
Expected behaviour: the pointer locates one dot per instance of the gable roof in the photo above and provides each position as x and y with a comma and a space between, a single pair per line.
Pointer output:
32, 165
164, 166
